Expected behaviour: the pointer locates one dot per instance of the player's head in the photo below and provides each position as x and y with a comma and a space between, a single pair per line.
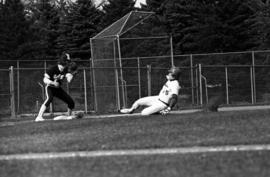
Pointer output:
174, 73
63, 60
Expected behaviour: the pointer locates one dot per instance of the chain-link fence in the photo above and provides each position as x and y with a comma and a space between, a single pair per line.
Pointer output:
23, 91
242, 78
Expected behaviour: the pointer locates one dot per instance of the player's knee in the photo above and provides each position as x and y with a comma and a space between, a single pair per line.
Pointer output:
47, 104
71, 104
137, 103
145, 113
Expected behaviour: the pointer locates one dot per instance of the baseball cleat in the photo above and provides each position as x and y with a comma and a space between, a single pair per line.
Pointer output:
125, 111
39, 119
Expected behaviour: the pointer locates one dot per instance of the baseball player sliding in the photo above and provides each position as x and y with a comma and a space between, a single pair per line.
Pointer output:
162, 103
53, 79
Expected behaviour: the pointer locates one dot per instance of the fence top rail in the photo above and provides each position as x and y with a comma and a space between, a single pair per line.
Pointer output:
233, 66
81, 68
75, 60
150, 37
161, 68
183, 55
165, 56
87, 68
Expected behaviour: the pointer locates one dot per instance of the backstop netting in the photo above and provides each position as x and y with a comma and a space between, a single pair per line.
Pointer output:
119, 60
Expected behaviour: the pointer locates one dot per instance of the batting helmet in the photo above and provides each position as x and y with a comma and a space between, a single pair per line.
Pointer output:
64, 59
175, 72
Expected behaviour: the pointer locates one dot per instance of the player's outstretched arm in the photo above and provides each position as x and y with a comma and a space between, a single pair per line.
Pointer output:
172, 103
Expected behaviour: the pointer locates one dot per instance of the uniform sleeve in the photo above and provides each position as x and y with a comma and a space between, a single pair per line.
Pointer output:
175, 88
51, 72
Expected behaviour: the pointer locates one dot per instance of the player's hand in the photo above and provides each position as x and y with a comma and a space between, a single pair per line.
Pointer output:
62, 77
56, 84
59, 77
165, 111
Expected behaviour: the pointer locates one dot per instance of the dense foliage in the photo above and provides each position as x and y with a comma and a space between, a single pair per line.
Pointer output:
42, 29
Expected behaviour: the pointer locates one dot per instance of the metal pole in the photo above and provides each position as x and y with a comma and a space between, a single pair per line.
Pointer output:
12, 94
45, 66
171, 45
200, 81
85, 91
51, 105
139, 77
118, 103
93, 75
251, 85
18, 87
197, 85
254, 77
149, 79
42, 90
125, 86
206, 90
227, 85
191, 78
121, 71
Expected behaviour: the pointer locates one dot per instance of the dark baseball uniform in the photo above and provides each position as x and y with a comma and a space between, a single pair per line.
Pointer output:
52, 91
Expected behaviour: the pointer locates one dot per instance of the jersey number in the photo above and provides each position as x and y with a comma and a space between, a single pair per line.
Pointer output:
166, 92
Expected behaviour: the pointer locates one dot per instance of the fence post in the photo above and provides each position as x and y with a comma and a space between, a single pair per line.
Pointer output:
121, 70
12, 94
149, 79
227, 85
85, 90
18, 87
139, 76
171, 45
118, 102
191, 78
206, 90
254, 77
51, 105
251, 85
200, 83
93, 76
197, 83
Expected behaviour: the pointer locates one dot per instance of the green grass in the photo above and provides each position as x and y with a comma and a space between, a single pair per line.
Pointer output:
239, 164
197, 129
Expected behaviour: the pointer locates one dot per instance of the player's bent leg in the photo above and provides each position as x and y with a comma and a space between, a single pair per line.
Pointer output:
49, 97
40, 114
67, 99
145, 101
157, 107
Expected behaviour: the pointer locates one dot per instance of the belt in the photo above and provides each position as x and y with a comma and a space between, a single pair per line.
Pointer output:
167, 104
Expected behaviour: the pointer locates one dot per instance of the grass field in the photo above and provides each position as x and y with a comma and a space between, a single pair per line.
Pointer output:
137, 133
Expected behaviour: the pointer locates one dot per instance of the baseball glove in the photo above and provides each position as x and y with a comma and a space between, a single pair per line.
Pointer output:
73, 68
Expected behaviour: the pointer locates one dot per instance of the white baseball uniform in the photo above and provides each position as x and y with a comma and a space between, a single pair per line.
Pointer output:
158, 103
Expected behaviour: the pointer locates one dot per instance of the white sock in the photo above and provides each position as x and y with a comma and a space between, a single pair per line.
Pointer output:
42, 110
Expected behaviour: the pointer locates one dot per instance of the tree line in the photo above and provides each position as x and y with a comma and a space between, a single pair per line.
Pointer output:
43, 29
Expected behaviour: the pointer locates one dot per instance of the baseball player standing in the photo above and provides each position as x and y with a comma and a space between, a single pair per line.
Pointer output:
162, 103
53, 79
